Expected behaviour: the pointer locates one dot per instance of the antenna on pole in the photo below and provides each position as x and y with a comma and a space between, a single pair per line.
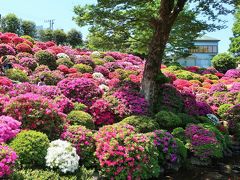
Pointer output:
51, 23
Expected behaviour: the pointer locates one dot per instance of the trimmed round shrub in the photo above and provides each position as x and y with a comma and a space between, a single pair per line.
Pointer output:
37, 113
187, 119
98, 61
5, 85
29, 38
83, 90
82, 139
179, 133
46, 58
124, 154
9, 128
109, 58
167, 120
81, 118
181, 150
233, 73
65, 61
83, 68
31, 147
7, 160
62, 156
17, 75
211, 76
223, 109
142, 124
30, 63
223, 62
79, 107
64, 104
102, 113
50, 77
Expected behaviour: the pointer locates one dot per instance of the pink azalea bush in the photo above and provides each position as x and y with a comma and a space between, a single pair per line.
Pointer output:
9, 128
82, 139
102, 113
37, 113
123, 153
82, 90
7, 160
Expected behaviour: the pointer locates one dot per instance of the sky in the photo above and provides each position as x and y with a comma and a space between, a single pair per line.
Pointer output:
62, 12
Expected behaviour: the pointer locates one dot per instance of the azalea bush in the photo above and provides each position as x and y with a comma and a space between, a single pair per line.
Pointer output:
82, 139
8, 158
37, 113
9, 128
62, 156
31, 147
46, 58
81, 118
83, 90
122, 153
17, 75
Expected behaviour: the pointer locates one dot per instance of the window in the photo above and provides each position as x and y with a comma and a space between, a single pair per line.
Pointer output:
204, 49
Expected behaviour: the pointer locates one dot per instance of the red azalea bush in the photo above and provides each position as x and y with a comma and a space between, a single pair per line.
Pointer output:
23, 47
37, 113
102, 113
82, 90
9, 128
123, 153
5, 85
82, 139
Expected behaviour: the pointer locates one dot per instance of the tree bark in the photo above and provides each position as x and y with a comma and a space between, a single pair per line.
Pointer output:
162, 28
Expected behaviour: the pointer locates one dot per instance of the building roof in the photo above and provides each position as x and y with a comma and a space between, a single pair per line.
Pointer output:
206, 38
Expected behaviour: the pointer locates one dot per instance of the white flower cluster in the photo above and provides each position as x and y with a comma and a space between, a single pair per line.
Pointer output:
97, 75
104, 87
96, 54
62, 155
62, 55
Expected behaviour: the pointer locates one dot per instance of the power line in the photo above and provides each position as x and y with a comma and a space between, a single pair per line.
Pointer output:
51, 23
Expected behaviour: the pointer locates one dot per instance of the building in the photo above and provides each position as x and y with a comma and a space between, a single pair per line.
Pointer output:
205, 49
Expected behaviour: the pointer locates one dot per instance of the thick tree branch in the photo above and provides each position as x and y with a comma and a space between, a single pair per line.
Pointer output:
177, 9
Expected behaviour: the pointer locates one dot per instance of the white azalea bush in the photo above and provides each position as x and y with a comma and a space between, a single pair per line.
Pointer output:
97, 75
62, 55
61, 155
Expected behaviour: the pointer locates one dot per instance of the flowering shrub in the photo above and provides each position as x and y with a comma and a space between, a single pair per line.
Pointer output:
31, 146
167, 147
9, 128
83, 68
30, 63
5, 85
103, 70
23, 47
50, 77
36, 112
202, 142
102, 113
7, 160
218, 88
82, 90
233, 73
63, 156
235, 87
82, 139
6, 49
124, 154
64, 104
65, 61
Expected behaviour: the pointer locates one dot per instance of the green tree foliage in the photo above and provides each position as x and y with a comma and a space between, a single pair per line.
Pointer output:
46, 35
11, 23
74, 38
235, 40
159, 16
59, 36
28, 28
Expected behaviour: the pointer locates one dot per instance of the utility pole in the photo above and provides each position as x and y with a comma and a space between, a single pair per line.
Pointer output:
51, 23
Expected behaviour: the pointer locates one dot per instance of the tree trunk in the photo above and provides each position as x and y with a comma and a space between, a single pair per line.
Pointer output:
150, 85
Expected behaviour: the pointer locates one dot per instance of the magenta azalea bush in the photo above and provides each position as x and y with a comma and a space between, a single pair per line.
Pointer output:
9, 128
123, 153
82, 90
203, 142
37, 113
7, 160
